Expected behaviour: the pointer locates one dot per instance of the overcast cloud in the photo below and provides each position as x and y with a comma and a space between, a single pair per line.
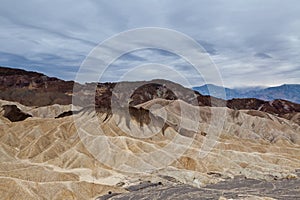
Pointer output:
252, 42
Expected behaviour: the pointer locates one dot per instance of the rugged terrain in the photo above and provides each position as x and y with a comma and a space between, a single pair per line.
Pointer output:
51, 158
156, 140
36, 89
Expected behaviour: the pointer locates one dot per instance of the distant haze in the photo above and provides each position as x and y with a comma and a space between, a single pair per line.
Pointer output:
290, 92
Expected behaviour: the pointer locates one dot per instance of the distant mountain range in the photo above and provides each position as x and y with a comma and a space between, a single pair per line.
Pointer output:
290, 92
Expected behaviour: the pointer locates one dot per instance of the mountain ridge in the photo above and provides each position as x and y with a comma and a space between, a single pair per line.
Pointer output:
289, 92
36, 89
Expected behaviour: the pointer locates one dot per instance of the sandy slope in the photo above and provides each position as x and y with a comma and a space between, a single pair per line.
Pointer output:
82, 157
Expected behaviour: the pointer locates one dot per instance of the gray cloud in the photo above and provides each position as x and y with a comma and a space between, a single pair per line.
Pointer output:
252, 42
262, 55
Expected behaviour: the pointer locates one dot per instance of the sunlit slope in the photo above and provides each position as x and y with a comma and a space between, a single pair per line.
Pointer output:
90, 153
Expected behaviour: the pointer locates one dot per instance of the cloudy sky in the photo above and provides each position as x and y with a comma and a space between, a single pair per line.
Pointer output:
252, 42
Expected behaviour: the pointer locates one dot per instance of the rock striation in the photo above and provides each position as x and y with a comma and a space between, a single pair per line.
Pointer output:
51, 158
142, 140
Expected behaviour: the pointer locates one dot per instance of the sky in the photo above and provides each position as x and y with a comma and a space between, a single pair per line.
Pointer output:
251, 42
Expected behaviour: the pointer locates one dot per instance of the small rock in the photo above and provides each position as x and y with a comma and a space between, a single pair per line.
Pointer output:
120, 184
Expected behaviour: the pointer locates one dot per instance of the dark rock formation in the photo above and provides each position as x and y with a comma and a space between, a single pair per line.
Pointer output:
67, 113
278, 106
36, 89
14, 114
151, 91
33, 89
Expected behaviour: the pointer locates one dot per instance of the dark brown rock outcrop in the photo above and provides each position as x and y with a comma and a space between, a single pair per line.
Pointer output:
14, 114
33, 89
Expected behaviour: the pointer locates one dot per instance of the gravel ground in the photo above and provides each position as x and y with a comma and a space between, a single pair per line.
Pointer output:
237, 188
